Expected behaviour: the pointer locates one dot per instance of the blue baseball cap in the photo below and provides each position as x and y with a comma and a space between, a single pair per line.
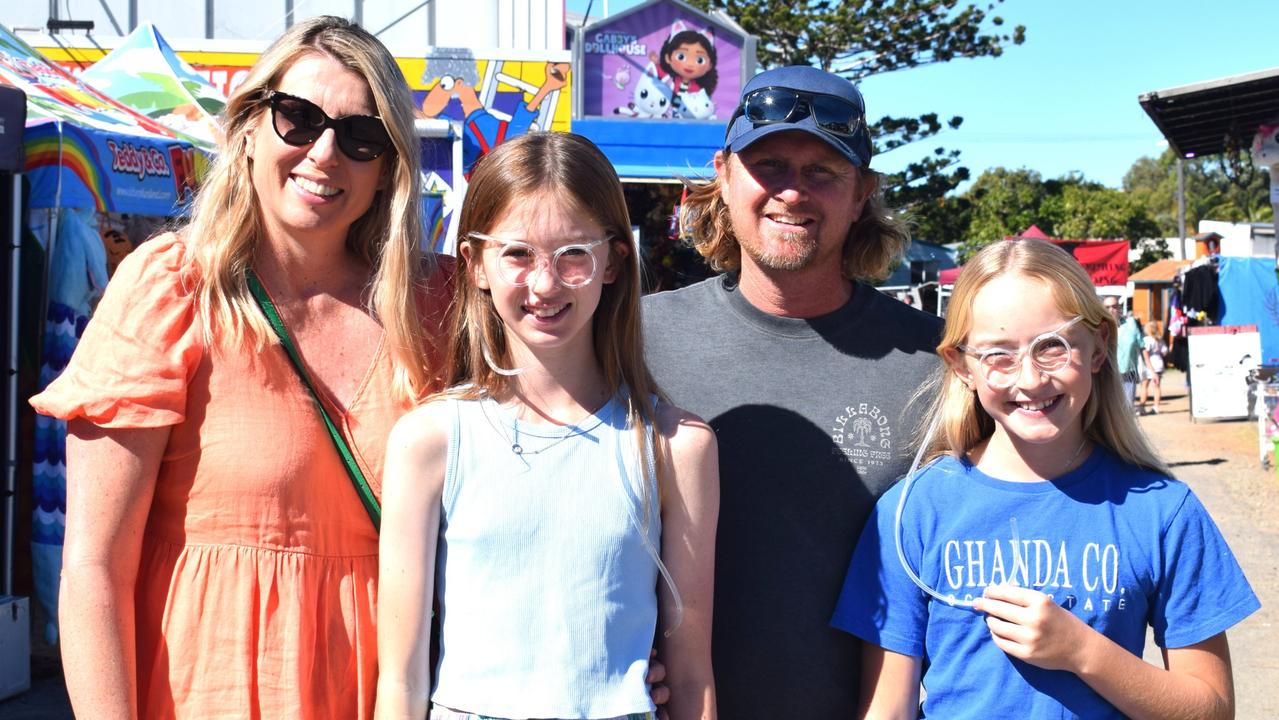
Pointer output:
812, 92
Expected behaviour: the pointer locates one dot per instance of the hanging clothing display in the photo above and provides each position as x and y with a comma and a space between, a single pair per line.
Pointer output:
1199, 293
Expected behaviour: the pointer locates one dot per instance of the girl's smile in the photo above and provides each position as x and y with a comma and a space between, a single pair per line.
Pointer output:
1037, 401
545, 268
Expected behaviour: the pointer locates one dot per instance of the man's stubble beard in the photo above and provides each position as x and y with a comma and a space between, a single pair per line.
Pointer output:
791, 261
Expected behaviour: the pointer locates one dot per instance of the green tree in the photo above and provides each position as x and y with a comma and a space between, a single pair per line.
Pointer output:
1224, 187
1094, 212
860, 38
1005, 202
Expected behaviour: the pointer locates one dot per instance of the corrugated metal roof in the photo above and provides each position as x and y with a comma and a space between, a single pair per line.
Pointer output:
1207, 118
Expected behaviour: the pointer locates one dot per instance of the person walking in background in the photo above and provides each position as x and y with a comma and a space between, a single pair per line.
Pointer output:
1152, 370
803, 369
219, 559
1129, 354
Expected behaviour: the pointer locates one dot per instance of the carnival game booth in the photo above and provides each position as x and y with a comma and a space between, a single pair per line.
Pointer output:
99, 178
655, 88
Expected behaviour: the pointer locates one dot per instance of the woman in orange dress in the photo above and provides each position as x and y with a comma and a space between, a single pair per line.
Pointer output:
218, 560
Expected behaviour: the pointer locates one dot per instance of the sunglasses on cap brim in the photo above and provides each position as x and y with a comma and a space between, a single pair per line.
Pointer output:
772, 105
299, 122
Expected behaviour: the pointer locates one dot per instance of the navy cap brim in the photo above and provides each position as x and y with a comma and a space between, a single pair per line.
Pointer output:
749, 135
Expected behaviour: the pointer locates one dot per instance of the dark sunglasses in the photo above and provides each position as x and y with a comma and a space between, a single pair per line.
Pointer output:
771, 105
301, 122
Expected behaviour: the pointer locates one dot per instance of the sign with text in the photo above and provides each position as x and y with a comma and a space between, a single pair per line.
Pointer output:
1106, 262
664, 60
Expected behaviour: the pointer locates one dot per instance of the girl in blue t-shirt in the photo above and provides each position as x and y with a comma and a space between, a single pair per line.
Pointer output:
1016, 573
534, 496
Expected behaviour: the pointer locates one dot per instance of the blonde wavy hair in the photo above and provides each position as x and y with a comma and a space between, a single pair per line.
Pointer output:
963, 423
571, 169
875, 241
225, 224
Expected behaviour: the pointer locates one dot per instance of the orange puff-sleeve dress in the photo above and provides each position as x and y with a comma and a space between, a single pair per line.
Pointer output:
257, 586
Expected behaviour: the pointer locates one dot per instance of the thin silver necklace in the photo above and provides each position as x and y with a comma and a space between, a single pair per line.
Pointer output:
1071, 461
513, 437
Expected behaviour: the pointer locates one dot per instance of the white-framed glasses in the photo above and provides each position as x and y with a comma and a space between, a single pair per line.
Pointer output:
1049, 353
572, 266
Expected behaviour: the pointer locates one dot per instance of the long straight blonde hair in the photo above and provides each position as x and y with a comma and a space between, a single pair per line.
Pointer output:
963, 423
225, 224
575, 172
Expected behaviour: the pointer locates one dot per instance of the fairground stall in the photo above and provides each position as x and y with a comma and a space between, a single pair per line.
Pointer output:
656, 87
1234, 338
99, 177
469, 101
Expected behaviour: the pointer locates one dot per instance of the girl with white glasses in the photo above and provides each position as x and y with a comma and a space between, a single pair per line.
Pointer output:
1016, 574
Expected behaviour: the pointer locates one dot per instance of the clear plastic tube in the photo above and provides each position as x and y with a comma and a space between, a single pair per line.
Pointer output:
897, 522
488, 358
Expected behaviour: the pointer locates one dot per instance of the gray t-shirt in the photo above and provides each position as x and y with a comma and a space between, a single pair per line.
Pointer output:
810, 417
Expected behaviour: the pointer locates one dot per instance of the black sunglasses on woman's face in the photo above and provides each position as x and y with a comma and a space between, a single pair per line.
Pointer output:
299, 122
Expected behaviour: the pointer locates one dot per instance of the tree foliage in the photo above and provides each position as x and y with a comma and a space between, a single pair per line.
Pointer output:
1004, 202
1224, 187
860, 38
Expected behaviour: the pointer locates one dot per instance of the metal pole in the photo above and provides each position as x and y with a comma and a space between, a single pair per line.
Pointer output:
1181, 202
208, 19
359, 13
288, 14
133, 15
11, 359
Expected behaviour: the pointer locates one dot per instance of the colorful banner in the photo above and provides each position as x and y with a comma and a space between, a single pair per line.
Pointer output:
52, 92
1105, 261
663, 60
82, 167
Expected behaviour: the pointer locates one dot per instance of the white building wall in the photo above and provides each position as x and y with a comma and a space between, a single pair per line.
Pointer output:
1240, 240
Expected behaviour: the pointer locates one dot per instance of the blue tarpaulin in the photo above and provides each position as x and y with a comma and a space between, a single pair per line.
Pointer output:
656, 149
1250, 296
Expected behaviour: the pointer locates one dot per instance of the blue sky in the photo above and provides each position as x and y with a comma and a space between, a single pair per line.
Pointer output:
1066, 99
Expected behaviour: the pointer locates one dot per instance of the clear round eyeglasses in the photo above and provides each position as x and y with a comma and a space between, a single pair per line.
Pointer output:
1048, 353
572, 266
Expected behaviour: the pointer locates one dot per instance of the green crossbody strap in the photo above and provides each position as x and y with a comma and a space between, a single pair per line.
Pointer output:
352, 469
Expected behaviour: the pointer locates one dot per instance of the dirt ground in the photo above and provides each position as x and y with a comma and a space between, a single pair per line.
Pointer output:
1218, 459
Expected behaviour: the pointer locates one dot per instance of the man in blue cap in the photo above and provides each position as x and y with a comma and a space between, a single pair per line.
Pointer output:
804, 371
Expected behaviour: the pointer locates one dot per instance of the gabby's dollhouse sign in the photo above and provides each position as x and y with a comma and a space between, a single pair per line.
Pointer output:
663, 59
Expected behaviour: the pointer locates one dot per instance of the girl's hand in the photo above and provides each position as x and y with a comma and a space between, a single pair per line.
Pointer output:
1028, 625
657, 690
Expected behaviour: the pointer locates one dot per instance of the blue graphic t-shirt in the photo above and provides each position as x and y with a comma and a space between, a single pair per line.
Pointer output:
1118, 546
